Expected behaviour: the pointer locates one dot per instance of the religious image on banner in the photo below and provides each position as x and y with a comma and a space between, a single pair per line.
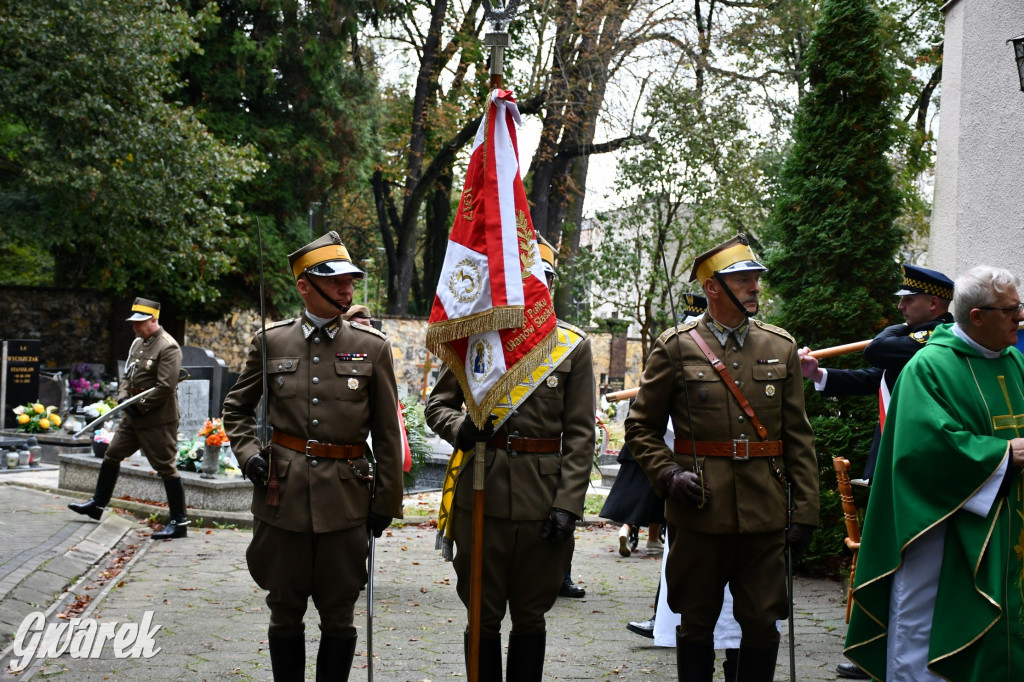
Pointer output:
492, 321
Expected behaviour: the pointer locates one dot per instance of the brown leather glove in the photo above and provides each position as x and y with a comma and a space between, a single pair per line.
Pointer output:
684, 486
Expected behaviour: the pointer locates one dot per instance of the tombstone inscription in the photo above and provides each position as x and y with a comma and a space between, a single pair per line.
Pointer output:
19, 380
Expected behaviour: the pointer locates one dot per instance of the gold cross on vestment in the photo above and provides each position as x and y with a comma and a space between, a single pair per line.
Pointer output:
1007, 421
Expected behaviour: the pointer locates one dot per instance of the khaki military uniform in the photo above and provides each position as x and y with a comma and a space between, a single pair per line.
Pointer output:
738, 537
522, 570
336, 386
153, 362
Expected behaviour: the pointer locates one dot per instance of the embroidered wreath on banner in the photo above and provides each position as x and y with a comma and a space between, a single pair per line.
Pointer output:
465, 281
481, 359
526, 250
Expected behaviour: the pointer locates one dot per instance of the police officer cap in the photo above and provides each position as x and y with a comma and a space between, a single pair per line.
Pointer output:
547, 255
143, 309
324, 257
924, 281
731, 256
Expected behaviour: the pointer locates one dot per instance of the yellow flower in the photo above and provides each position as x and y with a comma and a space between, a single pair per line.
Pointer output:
44, 423
55, 419
38, 408
23, 418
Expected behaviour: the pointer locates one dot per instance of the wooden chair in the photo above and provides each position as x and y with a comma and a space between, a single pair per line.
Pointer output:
842, 467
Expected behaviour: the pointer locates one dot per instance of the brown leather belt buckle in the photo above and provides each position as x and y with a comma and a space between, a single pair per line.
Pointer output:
508, 444
310, 443
741, 453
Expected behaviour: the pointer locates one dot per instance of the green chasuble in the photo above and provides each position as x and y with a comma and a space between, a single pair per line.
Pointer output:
945, 436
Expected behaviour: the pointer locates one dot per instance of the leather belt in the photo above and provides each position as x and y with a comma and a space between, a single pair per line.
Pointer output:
521, 444
738, 448
314, 448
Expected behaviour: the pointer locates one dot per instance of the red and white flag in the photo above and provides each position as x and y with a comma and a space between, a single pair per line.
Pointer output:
492, 321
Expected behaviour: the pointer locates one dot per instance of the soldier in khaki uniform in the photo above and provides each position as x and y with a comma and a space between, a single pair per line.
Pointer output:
726, 502
151, 424
330, 385
538, 469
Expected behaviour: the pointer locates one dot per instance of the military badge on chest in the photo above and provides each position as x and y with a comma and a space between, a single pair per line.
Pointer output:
353, 383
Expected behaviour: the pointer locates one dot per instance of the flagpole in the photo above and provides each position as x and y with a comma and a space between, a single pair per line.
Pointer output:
498, 40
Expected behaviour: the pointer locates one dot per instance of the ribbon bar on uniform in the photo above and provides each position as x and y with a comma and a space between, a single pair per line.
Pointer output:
315, 448
519, 444
736, 449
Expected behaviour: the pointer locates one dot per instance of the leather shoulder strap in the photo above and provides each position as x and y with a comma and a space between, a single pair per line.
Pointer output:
730, 384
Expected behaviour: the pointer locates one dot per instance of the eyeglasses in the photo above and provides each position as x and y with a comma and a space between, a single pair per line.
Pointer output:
1013, 309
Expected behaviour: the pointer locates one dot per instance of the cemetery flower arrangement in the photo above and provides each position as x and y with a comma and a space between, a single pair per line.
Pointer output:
103, 435
83, 388
213, 432
100, 408
34, 418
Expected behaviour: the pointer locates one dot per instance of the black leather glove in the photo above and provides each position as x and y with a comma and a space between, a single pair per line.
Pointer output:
798, 537
376, 524
469, 435
559, 526
684, 486
133, 410
256, 469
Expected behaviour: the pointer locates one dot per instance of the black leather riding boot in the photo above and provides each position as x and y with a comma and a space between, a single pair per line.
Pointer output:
105, 483
177, 527
694, 662
288, 658
334, 658
525, 657
490, 656
756, 665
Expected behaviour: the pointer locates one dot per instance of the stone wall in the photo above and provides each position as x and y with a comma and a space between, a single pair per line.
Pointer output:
229, 339
73, 326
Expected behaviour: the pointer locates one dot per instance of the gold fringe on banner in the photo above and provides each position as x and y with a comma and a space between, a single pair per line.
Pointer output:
505, 317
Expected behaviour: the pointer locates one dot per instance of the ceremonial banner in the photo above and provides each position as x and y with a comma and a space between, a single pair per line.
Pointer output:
492, 322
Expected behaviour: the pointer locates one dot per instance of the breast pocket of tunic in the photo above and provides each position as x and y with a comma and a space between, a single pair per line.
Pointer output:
704, 387
353, 380
281, 377
765, 394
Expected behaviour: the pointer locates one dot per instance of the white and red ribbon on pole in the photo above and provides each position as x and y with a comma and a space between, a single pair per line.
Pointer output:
492, 321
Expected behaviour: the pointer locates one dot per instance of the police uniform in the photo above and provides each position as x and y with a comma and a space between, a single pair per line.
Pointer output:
538, 460
151, 424
737, 536
329, 388
890, 351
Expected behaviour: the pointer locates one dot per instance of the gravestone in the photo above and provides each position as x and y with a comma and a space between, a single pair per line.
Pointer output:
19, 378
204, 366
193, 405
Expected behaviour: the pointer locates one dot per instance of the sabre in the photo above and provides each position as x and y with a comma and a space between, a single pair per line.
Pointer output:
369, 608
183, 375
789, 581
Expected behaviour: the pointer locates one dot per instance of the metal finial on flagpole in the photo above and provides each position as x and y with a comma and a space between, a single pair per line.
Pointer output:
499, 39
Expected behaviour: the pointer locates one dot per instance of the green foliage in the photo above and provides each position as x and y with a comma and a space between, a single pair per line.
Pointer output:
698, 180
280, 76
832, 238
832, 235
416, 431
125, 188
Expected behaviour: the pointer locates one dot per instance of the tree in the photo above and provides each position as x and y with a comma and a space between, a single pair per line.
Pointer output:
284, 76
833, 236
696, 182
126, 189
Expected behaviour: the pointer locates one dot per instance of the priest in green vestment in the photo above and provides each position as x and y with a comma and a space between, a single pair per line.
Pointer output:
939, 583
